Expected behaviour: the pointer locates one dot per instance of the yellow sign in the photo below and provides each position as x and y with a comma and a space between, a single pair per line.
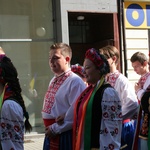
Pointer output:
137, 14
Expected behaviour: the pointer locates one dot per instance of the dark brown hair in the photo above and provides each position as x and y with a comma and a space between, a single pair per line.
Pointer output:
10, 76
139, 56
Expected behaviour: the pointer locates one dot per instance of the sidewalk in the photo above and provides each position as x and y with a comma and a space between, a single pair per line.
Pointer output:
33, 141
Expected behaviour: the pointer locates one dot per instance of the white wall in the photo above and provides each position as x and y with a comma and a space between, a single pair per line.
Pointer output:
136, 40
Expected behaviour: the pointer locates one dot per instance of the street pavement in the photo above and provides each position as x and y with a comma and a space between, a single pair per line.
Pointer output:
33, 141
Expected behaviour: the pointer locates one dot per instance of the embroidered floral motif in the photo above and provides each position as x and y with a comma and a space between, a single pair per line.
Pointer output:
8, 132
50, 94
111, 110
17, 128
110, 147
144, 128
143, 79
112, 77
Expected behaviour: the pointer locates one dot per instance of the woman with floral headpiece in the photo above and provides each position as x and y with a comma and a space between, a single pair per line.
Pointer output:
97, 114
12, 107
79, 70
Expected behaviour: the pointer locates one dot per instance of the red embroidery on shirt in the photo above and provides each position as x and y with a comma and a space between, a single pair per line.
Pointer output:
143, 79
111, 146
51, 92
113, 108
17, 128
112, 77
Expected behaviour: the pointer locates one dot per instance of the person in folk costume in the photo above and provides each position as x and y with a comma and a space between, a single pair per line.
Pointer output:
126, 93
97, 114
140, 64
79, 70
63, 90
12, 107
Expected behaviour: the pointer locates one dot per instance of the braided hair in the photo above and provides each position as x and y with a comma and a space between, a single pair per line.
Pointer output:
9, 75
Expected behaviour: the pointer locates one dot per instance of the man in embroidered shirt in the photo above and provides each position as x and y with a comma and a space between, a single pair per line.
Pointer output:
63, 90
126, 93
139, 63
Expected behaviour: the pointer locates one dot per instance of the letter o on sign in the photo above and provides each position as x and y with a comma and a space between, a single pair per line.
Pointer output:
129, 14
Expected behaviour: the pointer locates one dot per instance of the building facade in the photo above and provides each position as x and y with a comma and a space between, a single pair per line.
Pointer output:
28, 28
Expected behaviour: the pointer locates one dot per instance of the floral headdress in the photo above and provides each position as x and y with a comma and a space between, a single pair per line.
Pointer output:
78, 69
98, 59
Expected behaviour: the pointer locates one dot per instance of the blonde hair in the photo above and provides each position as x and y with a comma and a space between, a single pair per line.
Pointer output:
65, 49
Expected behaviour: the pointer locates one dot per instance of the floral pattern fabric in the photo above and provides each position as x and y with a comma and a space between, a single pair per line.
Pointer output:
111, 123
11, 126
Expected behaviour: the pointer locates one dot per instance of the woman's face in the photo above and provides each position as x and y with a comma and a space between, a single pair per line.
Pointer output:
92, 74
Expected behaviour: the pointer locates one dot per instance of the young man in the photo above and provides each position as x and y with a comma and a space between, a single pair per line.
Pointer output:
140, 64
63, 90
126, 93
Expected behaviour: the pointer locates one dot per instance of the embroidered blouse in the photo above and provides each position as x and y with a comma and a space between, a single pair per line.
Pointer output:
126, 93
62, 102
11, 126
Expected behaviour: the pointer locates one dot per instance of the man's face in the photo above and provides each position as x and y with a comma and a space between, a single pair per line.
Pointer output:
138, 67
57, 62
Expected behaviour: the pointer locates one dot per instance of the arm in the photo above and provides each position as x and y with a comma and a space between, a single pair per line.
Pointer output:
111, 123
141, 91
12, 134
70, 95
128, 98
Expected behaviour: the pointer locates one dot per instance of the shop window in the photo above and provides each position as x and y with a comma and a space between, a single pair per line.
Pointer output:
26, 32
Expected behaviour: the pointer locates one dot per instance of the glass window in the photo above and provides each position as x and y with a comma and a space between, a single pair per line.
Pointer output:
26, 32
29, 19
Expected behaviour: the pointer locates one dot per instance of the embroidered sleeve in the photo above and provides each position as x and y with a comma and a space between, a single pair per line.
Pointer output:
12, 126
111, 124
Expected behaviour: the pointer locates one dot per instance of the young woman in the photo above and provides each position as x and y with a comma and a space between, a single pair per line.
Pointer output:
97, 113
12, 107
